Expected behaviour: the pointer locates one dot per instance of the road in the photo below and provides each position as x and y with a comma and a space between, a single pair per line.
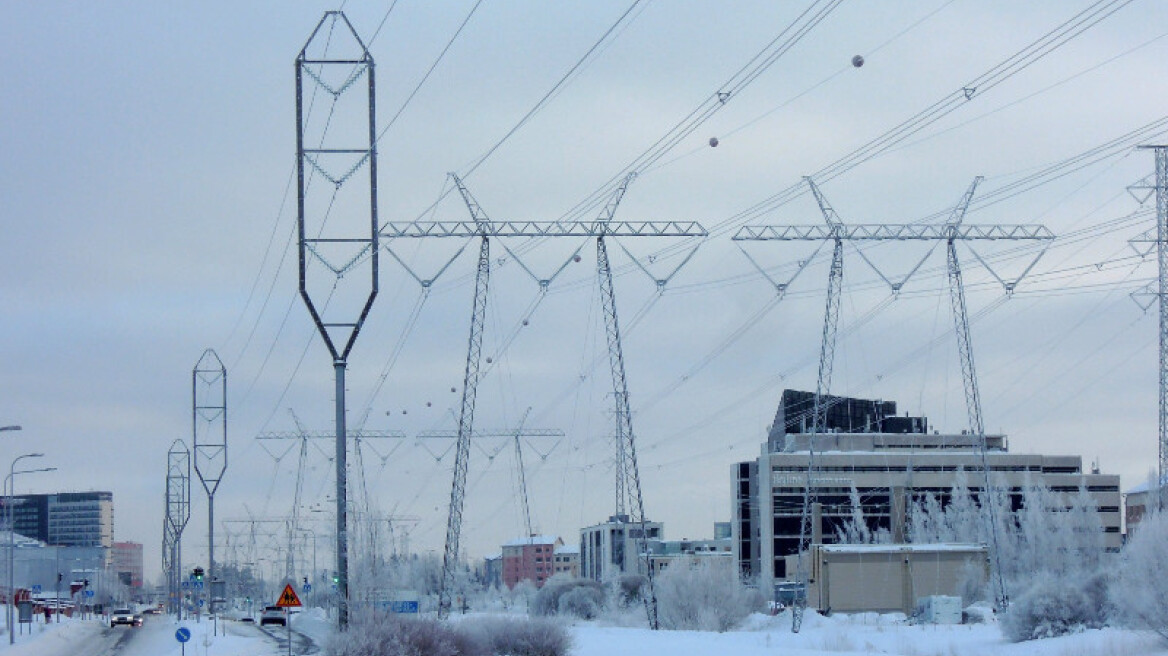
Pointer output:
157, 638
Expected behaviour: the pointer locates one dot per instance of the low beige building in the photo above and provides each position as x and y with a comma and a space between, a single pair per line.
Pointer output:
889, 578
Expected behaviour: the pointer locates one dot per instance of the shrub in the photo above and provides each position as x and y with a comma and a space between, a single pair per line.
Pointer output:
1140, 588
585, 597
1050, 608
518, 637
381, 635
705, 597
584, 602
391, 635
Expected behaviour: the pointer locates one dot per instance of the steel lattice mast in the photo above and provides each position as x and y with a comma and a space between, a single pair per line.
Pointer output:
470, 385
209, 419
178, 513
602, 227
337, 221
950, 232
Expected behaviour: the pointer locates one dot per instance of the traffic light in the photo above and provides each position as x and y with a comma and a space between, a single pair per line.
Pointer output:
198, 572
306, 580
58, 577
336, 579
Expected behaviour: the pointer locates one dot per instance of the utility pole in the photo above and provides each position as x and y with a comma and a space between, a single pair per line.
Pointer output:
951, 232
337, 221
480, 226
209, 419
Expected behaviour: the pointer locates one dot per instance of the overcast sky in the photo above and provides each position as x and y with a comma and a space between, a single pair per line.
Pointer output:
149, 209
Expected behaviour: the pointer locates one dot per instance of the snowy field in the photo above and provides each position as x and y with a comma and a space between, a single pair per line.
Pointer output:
858, 634
866, 634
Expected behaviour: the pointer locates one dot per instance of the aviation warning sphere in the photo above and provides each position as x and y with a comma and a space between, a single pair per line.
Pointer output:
857, 61
713, 142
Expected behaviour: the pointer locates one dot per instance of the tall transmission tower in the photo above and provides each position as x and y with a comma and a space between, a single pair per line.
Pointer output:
178, 513
480, 226
209, 419
1159, 240
337, 216
304, 437
951, 232
516, 435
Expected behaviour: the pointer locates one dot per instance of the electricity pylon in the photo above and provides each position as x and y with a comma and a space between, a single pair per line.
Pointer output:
1160, 241
516, 435
337, 221
209, 419
479, 226
178, 513
950, 232
304, 437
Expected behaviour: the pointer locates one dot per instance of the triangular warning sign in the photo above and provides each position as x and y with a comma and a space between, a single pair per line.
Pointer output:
288, 598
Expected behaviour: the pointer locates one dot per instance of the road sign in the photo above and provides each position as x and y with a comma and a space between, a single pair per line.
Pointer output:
89, 593
403, 606
36, 589
183, 634
201, 602
288, 598
307, 588
186, 585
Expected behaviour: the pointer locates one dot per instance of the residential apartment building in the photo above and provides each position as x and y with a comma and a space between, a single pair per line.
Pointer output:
127, 563
530, 559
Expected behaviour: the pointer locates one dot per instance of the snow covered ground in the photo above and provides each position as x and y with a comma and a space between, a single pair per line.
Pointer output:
76, 637
867, 634
855, 635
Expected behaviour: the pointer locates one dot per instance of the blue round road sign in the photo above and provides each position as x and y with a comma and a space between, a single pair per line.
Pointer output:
183, 634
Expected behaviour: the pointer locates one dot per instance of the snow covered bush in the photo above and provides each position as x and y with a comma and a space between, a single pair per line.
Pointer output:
376, 634
563, 594
509, 636
1140, 589
1050, 608
380, 634
705, 597
583, 602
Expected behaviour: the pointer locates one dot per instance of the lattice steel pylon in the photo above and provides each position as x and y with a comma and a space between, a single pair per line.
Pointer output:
1159, 241
950, 232
337, 222
470, 386
480, 227
178, 513
304, 437
209, 428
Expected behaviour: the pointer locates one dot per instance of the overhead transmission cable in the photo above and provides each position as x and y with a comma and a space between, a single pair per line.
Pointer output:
1011, 66
540, 104
786, 39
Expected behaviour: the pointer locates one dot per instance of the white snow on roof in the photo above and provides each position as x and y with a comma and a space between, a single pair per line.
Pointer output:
535, 539
896, 548
568, 549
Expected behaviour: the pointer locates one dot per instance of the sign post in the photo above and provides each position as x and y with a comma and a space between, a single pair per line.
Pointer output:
182, 635
288, 599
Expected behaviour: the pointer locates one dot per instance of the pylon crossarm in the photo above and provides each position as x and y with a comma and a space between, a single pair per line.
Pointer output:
893, 232
421, 229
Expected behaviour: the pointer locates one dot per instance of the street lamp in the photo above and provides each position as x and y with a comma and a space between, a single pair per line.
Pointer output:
10, 484
10, 428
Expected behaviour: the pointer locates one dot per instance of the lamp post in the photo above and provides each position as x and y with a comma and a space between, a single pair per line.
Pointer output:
10, 484
10, 428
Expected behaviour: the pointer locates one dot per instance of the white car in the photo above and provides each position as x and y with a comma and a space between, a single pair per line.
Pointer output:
125, 616
273, 615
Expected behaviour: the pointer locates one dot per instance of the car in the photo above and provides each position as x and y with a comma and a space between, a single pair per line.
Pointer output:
125, 616
273, 615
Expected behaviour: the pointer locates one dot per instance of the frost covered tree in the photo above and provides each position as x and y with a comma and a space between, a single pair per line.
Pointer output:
706, 597
1139, 588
